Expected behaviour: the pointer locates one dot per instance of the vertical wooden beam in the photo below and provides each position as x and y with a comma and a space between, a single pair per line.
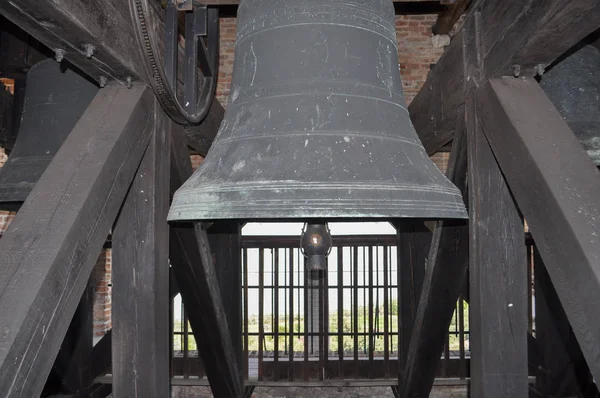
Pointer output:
226, 245
140, 302
448, 18
557, 188
200, 289
414, 239
50, 248
498, 273
446, 268
562, 371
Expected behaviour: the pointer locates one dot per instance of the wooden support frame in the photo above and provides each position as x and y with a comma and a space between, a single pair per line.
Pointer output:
140, 269
448, 18
447, 266
50, 248
498, 277
562, 371
557, 188
72, 370
200, 290
496, 37
414, 239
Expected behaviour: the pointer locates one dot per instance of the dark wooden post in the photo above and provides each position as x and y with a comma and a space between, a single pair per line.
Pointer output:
562, 371
413, 239
200, 281
50, 248
140, 303
226, 246
444, 277
498, 273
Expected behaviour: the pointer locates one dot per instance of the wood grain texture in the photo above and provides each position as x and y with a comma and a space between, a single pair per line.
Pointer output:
140, 271
495, 36
498, 278
414, 239
50, 248
562, 370
200, 286
70, 24
557, 188
447, 19
444, 277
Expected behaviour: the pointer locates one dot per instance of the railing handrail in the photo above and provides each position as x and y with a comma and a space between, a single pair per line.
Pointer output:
291, 242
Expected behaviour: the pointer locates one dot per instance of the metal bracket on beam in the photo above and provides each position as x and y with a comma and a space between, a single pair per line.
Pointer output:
201, 50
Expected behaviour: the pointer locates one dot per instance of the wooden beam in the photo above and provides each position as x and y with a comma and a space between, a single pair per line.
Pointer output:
414, 239
200, 290
557, 188
71, 24
498, 273
140, 269
52, 245
448, 18
226, 245
446, 269
500, 34
72, 368
562, 370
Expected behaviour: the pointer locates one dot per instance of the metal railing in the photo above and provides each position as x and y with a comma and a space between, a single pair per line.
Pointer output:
338, 324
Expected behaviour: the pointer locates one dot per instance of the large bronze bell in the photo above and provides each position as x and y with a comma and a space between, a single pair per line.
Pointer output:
316, 126
55, 99
573, 85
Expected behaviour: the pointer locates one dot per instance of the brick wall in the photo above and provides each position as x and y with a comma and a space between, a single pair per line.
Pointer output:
418, 49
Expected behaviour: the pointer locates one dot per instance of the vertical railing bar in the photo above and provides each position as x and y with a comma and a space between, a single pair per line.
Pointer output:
446, 355
186, 357
321, 335
291, 316
365, 297
386, 320
246, 342
276, 306
529, 287
261, 291
340, 281
398, 305
371, 327
171, 336
306, 312
355, 309
461, 338
326, 322
286, 345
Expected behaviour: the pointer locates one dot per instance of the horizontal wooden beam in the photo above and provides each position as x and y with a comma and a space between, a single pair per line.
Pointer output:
50, 248
557, 187
496, 36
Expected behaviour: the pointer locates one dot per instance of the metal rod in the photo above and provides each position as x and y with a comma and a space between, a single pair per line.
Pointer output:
355, 309
291, 317
340, 287
371, 327
276, 305
461, 338
261, 327
246, 315
305, 369
386, 320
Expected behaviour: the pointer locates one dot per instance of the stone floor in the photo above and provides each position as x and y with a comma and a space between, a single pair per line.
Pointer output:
314, 392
